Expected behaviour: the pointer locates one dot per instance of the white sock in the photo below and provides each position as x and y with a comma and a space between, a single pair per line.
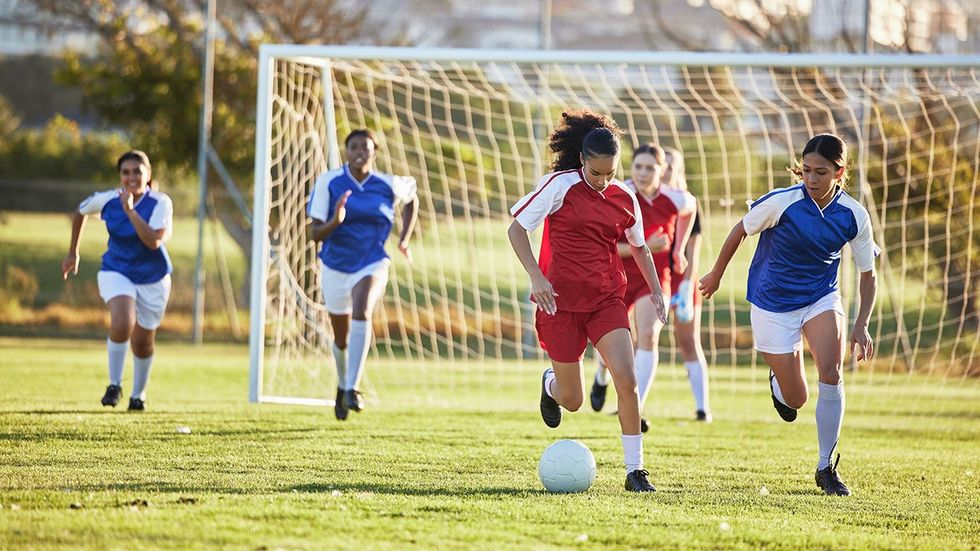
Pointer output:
117, 360
340, 358
549, 379
601, 373
633, 452
645, 363
141, 376
776, 391
830, 415
357, 349
697, 374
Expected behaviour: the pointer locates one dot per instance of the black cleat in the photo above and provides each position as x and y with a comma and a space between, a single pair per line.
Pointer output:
636, 481
338, 405
829, 481
113, 393
135, 404
598, 395
703, 416
550, 410
352, 400
787, 413
644, 425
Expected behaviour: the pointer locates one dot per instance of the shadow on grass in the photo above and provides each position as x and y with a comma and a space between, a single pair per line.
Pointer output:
390, 489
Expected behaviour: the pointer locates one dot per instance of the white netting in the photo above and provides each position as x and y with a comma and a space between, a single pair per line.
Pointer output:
473, 134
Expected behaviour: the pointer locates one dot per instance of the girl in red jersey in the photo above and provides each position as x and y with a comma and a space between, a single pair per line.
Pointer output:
580, 294
666, 220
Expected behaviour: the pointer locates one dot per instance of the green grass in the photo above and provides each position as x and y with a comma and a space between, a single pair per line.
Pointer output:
455, 466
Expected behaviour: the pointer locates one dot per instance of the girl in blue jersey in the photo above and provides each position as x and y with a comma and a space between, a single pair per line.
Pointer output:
134, 279
353, 210
793, 288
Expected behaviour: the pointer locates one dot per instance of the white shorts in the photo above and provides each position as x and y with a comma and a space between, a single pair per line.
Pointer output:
337, 286
151, 298
782, 332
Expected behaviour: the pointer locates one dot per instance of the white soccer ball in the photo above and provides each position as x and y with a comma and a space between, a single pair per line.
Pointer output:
567, 466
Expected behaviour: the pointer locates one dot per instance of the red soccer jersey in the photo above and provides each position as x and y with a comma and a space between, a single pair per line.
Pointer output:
579, 255
659, 214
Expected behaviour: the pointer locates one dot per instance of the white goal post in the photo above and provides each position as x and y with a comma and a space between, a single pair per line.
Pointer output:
471, 126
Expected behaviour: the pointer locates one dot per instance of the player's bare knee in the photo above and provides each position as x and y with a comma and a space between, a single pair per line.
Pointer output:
831, 376
644, 339
796, 401
573, 403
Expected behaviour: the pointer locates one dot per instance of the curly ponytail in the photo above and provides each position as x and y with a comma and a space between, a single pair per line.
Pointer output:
582, 133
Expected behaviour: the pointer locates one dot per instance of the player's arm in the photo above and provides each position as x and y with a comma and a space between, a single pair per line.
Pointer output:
693, 251
541, 290
712, 280
320, 230
153, 239
860, 337
70, 264
410, 215
682, 235
644, 260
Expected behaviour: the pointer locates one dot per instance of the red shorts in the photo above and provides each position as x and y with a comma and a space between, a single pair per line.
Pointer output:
637, 288
564, 334
675, 283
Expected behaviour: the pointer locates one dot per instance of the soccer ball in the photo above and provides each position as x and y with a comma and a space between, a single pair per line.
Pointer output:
567, 466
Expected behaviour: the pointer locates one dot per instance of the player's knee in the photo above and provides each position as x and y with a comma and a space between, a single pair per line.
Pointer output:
796, 401
644, 339
120, 328
831, 376
625, 383
142, 349
573, 403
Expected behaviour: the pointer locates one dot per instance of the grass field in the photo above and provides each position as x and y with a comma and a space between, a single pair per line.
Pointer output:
455, 466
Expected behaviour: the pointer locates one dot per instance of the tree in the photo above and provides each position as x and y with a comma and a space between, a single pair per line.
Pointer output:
145, 77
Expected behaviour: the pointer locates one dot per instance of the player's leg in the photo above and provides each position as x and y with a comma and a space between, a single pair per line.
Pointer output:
617, 347
563, 336
600, 384
778, 337
336, 290
648, 328
825, 333
364, 296
119, 294
151, 304
688, 338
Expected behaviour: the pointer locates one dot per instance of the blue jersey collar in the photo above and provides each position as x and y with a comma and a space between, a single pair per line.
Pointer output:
838, 191
360, 185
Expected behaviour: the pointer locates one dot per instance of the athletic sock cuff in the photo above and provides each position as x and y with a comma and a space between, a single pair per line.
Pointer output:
831, 392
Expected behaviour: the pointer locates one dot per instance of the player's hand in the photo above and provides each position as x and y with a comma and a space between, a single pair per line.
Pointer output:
405, 250
659, 307
544, 295
658, 242
340, 209
709, 284
69, 265
861, 339
126, 198
680, 262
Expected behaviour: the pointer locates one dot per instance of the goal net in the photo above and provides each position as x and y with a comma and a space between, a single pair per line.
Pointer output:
471, 127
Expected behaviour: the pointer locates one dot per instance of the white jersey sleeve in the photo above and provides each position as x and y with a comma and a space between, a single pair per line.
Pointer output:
863, 245
532, 209
94, 203
404, 188
318, 206
682, 200
766, 212
162, 217
635, 234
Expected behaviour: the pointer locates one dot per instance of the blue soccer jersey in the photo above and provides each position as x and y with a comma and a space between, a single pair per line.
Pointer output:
798, 257
125, 253
360, 239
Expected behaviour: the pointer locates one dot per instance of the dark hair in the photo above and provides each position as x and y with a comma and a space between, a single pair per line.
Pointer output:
364, 132
582, 134
135, 155
650, 148
828, 146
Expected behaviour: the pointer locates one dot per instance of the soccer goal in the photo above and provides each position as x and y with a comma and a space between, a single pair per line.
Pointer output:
471, 127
